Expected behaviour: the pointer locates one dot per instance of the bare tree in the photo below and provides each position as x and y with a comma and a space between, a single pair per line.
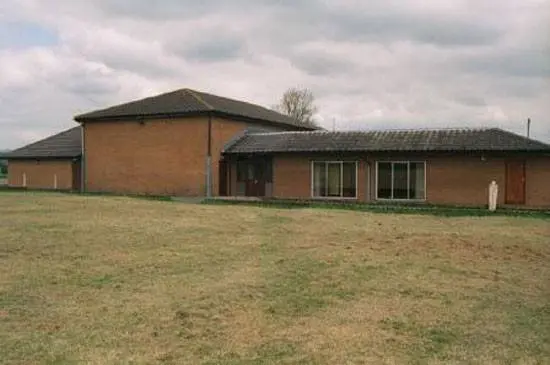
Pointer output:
300, 105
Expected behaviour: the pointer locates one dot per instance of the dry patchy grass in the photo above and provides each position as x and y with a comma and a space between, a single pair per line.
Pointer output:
115, 280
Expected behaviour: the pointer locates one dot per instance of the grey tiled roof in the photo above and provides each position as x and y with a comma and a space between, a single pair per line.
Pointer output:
190, 102
490, 139
67, 144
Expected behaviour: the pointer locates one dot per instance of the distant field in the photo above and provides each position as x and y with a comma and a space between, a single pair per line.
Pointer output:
109, 280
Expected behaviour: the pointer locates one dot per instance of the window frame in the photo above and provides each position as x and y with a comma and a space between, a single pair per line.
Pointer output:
341, 163
408, 162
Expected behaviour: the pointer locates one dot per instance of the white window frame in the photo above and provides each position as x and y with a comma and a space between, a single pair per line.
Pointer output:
340, 162
408, 162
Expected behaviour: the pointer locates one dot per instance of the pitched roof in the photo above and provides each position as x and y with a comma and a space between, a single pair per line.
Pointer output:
490, 139
190, 102
67, 144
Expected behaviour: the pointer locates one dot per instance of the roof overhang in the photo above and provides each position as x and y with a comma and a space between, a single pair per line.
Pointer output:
503, 153
40, 158
144, 117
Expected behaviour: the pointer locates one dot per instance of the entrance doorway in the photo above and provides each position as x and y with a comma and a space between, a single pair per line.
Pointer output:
254, 174
515, 182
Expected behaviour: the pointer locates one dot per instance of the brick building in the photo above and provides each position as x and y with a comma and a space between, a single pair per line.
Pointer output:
53, 163
449, 166
189, 143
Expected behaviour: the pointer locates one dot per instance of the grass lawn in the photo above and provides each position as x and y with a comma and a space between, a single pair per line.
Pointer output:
111, 280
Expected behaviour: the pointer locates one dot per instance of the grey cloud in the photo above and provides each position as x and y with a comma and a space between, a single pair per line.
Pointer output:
321, 63
511, 62
382, 25
138, 63
87, 83
391, 26
314, 19
184, 9
220, 48
147, 9
471, 100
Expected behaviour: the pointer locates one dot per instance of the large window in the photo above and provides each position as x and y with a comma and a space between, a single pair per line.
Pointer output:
401, 180
334, 179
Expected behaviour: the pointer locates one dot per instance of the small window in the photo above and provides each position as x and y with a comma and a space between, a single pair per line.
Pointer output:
401, 180
334, 179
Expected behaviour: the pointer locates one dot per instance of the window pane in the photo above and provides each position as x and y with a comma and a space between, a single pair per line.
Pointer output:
259, 170
400, 181
241, 171
384, 180
319, 179
349, 183
333, 183
250, 170
417, 181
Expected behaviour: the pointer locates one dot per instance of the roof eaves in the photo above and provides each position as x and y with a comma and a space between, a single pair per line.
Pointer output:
43, 157
140, 116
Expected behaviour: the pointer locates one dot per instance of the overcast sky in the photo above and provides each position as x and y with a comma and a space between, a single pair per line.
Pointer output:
371, 64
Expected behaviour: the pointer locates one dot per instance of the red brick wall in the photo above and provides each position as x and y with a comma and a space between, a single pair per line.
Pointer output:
41, 174
537, 187
463, 180
291, 177
158, 157
460, 180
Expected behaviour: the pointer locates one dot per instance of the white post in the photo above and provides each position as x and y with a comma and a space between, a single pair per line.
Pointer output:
493, 196
55, 181
24, 180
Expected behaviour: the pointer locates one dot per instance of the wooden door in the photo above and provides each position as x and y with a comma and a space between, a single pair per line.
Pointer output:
255, 179
515, 182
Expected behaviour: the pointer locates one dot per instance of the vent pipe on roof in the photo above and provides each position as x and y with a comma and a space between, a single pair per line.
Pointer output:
528, 127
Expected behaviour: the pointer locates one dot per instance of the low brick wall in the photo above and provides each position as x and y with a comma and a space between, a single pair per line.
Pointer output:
49, 175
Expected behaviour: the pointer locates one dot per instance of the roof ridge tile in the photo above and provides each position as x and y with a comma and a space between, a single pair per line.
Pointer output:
193, 94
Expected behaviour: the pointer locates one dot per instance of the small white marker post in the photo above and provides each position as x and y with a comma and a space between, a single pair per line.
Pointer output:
24, 180
55, 181
493, 196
